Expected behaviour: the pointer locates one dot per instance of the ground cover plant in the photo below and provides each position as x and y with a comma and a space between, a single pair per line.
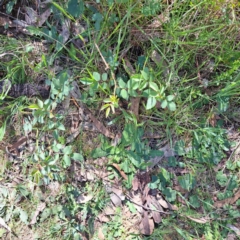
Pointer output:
119, 119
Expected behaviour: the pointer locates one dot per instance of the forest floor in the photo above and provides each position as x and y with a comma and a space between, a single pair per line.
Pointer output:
120, 119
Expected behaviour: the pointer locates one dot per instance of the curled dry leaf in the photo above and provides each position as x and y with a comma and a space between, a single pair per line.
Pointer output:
39, 209
122, 173
84, 199
147, 225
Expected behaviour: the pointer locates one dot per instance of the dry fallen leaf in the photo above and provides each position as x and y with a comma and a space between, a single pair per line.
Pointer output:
135, 183
65, 33
39, 209
100, 234
198, 220
84, 199
118, 191
147, 225
235, 229
103, 218
230, 201
3, 224
109, 210
137, 201
122, 173
115, 200
43, 17
162, 202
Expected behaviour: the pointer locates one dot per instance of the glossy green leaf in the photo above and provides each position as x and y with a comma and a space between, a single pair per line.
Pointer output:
124, 94
96, 76
66, 160
170, 98
104, 76
77, 157
171, 106
75, 8
151, 102
2, 130
154, 86
164, 104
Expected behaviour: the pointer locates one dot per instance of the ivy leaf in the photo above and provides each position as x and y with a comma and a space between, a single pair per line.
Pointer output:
75, 8
98, 18
170, 194
187, 182
151, 102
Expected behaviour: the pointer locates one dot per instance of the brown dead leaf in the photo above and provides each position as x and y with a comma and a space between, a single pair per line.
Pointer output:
84, 199
3, 224
235, 229
100, 234
31, 16
147, 225
43, 17
101, 128
109, 210
65, 33
135, 183
160, 19
134, 107
230, 201
198, 220
119, 192
39, 209
103, 218
137, 201
162, 202
122, 173
115, 200
155, 205
172, 207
